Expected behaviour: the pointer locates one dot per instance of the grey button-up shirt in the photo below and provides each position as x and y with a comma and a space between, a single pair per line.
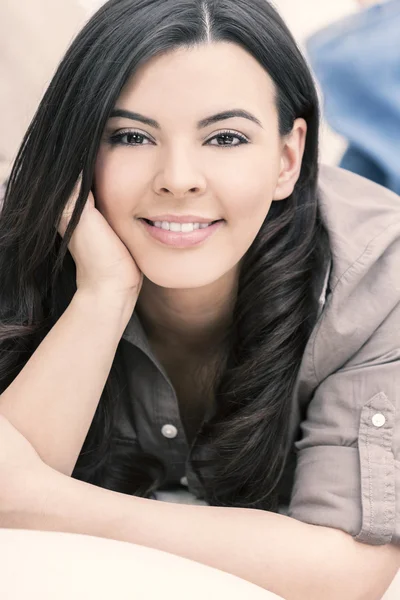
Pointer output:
344, 471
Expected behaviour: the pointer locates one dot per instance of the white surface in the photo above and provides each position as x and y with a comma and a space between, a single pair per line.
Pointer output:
62, 566
179, 497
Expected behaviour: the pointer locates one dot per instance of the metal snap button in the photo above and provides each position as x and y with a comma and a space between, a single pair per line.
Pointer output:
378, 420
169, 431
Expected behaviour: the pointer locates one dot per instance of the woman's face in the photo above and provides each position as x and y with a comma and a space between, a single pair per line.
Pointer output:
230, 169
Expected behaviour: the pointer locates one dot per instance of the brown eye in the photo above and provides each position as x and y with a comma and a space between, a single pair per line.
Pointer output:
128, 138
227, 136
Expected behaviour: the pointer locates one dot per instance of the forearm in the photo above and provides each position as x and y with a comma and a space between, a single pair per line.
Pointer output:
53, 399
295, 560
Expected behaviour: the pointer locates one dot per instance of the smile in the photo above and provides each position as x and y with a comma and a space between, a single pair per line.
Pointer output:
181, 235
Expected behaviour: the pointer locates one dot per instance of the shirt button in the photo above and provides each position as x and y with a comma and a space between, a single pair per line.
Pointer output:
184, 481
169, 431
378, 420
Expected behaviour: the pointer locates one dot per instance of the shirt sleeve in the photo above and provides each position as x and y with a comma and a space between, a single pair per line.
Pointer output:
348, 455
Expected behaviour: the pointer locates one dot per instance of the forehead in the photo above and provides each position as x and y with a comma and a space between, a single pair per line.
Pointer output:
197, 80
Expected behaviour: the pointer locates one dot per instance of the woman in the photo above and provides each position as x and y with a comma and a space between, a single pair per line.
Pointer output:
226, 351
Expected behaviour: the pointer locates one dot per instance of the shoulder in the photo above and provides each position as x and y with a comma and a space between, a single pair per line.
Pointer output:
363, 224
362, 218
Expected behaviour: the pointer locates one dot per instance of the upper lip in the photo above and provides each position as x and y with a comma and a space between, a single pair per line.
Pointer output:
180, 219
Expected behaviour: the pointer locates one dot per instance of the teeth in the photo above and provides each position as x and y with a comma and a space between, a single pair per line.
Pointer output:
184, 227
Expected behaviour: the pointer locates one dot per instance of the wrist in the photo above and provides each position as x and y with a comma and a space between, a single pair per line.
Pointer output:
104, 301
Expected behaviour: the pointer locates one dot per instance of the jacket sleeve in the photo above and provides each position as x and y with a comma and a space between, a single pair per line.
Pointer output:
348, 455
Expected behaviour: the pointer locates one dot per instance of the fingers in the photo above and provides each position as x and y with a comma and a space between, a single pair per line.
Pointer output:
69, 207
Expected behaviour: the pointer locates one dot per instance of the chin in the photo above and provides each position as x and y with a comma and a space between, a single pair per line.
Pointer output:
174, 280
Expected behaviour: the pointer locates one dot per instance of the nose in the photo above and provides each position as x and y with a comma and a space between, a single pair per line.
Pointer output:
179, 176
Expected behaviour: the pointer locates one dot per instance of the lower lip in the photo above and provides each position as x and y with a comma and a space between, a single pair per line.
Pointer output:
181, 239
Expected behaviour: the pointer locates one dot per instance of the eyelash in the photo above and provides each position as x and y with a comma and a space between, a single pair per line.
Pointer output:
115, 140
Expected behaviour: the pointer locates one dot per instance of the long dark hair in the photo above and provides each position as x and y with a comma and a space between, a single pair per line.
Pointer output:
246, 441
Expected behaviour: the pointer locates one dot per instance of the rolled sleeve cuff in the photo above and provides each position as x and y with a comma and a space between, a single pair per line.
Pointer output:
328, 491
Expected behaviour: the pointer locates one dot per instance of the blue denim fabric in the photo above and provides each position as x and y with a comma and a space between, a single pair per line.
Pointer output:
359, 162
357, 64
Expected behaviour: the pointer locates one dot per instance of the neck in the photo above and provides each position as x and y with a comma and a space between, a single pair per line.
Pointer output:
188, 320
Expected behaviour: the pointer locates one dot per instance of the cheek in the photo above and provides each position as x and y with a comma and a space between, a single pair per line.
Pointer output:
249, 189
117, 182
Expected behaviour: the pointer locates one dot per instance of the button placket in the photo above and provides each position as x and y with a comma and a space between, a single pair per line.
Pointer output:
377, 470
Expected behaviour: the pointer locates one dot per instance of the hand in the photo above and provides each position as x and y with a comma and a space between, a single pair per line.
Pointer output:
103, 262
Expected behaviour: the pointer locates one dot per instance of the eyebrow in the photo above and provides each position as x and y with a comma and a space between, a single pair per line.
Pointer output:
227, 114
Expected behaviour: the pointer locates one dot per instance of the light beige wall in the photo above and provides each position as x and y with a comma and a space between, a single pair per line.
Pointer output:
34, 35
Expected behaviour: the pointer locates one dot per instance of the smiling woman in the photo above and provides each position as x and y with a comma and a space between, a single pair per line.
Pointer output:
208, 316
